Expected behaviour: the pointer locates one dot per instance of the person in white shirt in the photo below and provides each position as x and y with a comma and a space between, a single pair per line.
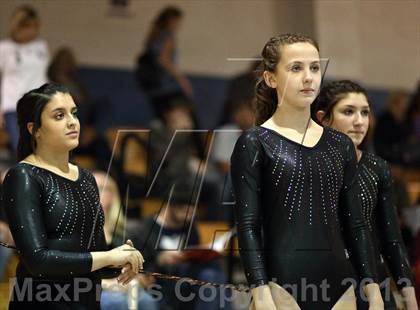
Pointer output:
23, 66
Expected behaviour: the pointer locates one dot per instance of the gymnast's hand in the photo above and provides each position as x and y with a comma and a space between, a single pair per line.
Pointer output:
409, 295
373, 293
262, 298
127, 272
126, 254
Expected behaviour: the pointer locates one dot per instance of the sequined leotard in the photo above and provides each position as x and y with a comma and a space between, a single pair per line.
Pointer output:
375, 193
51, 219
291, 203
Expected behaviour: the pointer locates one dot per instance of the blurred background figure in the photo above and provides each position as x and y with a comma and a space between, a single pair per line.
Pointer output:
5, 235
24, 59
241, 91
180, 154
115, 296
164, 239
158, 72
392, 137
413, 123
238, 115
177, 152
413, 115
242, 117
64, 70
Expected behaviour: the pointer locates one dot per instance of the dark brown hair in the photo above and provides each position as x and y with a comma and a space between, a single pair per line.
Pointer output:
266, 97
29, 109
161, 22
331, 94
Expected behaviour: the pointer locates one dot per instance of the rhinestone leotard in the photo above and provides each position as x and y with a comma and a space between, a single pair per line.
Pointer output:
375, 192
52, 219
292, 203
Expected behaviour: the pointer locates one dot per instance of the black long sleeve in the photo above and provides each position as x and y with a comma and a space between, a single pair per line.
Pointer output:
389, 231
246, 180
360, 240
23, 203
291, 203
375, 193
52, 220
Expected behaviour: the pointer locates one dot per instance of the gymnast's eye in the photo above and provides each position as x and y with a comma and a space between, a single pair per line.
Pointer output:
315, 68
348, 111
295, 68
365, 112
59, 116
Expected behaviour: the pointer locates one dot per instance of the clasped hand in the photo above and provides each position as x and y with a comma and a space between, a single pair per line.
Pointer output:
131, 262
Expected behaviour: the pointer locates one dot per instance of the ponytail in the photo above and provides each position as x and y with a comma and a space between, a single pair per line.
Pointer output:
265, 102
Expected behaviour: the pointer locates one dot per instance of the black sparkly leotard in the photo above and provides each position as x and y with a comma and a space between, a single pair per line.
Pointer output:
291, 203
52, 220
375, 193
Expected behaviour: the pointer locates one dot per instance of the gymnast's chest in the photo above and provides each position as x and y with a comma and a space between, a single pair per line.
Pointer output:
68, 208
297, 165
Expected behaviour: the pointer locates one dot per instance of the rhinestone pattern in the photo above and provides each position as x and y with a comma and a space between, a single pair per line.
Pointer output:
291, 201
52, 219
375, 192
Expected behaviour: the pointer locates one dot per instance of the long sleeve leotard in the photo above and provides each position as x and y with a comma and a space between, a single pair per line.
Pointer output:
55, 223
375, 192
292, 203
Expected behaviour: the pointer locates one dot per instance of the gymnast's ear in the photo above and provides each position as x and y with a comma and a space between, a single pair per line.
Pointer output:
320, 116
270, 79
30, 127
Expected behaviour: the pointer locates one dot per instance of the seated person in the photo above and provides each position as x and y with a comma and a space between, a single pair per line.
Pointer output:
162, 240
176, 149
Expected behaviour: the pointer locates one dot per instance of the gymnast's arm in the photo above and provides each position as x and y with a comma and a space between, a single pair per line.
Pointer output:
105, 272
360, 242
22, 203
246, 161
245, 169
392, 243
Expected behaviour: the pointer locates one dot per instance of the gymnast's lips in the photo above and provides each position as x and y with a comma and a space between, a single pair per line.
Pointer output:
307, 91
72, 133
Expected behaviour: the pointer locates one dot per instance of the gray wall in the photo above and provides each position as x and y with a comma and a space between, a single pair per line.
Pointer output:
375, 42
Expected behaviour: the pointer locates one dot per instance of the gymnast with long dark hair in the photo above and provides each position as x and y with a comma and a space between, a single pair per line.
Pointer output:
294, 190
344, 106
54, 212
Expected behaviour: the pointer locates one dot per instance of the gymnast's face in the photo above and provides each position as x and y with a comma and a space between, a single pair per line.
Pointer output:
350, 115
60, 126
298, 75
